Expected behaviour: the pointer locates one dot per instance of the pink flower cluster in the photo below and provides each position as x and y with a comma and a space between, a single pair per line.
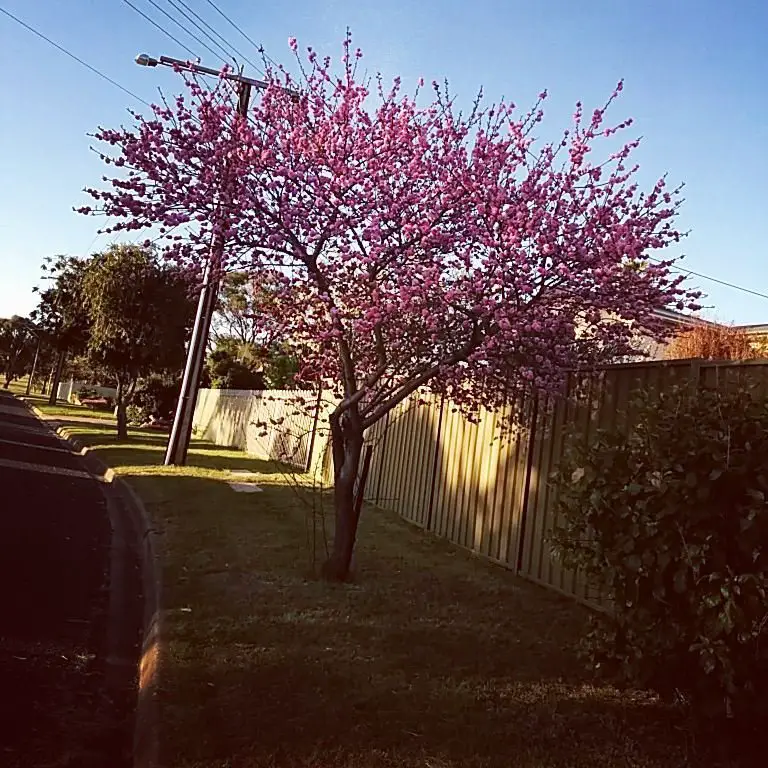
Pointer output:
410, 247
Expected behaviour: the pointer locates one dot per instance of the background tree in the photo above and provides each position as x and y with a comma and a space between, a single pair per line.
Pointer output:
280, 367
61, 313
139, 310
234, 364
713, 342
155, 397
247, 316
236, 310
18, 342
412, 247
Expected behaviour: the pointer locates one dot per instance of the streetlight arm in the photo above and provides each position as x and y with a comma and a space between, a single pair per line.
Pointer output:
168, 61
145, 60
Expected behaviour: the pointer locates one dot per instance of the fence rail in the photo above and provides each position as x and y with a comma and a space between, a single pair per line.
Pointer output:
456, 478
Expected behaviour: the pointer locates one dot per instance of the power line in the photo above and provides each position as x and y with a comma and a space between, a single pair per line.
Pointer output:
715, 280
187, 32
221, 13
227, 53
75, 58
164, 31
221, 37
130, 93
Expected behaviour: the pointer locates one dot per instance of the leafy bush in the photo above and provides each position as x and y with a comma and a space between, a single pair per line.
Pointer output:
227, 372
135, 415
86, 393
155, 395
671, 522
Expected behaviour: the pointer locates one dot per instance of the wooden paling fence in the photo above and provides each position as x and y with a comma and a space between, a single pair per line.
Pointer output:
457, 479
269, 425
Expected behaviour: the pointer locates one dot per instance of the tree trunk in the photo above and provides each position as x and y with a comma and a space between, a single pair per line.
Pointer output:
347, 445
120, 415
57, 371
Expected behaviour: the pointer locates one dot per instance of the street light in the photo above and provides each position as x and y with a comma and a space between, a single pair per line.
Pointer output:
181, 431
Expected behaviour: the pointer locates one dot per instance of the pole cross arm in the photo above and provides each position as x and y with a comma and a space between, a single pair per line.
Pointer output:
145, 60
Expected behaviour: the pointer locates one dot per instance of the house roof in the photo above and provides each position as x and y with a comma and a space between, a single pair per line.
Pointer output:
681, 319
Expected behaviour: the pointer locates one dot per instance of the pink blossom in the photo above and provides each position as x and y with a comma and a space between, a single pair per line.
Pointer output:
405, 243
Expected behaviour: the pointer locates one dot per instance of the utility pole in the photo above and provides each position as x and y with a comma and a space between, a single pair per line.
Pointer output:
34, 365
181, 431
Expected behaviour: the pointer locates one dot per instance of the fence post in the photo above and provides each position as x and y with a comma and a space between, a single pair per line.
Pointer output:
313, 436
527, 484
433, 481
382, 453
696, 373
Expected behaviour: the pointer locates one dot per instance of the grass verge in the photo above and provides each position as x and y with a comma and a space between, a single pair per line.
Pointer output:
62, 408
430, 658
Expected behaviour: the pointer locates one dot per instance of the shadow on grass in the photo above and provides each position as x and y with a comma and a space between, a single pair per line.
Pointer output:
429, 658
146, 447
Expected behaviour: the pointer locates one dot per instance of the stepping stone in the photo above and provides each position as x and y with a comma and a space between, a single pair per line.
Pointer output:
245, 488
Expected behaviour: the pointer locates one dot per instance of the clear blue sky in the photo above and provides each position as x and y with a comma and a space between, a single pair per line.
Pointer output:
695, 71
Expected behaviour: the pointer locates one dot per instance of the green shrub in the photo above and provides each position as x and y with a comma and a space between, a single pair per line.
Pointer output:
155, 395
670, 521
86, 393
135, 415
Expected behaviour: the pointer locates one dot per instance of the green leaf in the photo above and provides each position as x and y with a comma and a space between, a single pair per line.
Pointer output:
681, 580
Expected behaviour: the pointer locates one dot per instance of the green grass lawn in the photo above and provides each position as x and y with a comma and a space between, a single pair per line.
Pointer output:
62, 408
430, 657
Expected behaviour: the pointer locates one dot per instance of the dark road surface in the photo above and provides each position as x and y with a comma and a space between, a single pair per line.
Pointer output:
55, 706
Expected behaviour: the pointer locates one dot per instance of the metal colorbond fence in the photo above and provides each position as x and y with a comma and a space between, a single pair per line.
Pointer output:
453, 477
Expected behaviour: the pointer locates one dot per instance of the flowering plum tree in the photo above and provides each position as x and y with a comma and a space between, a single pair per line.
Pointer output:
414, 247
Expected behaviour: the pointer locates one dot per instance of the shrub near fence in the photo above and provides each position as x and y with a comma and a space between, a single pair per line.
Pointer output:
452, 477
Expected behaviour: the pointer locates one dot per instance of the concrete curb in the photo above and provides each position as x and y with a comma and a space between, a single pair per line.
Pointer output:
146, 735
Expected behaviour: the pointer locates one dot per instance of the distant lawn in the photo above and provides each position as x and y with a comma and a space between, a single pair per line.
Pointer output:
18, 387
431, 658
62, 408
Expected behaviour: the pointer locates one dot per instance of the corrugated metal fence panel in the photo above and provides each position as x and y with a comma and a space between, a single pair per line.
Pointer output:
601, 401
458, 479
404, 445
729, 374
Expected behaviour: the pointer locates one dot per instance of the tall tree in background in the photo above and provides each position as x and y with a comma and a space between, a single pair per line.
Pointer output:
414, 247
233, 364
61, 313
247, 328
139, 311
236, 315
18, 341
713, 342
